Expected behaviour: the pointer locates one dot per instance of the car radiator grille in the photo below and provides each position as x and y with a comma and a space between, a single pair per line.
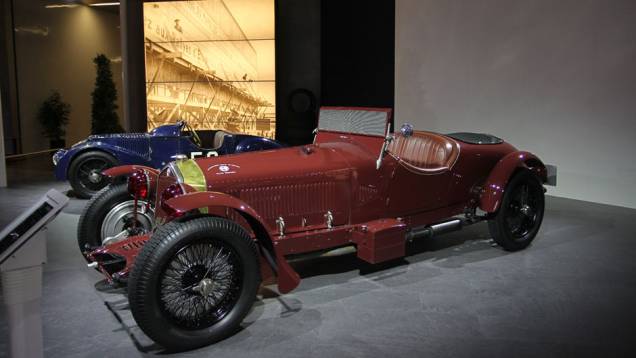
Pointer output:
136, 144
292, 200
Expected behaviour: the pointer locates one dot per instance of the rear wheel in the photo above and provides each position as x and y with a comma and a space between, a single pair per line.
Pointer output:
109, 217
193, 282
85, 173
518, 220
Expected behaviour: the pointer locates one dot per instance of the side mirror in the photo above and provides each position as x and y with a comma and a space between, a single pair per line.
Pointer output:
406, 130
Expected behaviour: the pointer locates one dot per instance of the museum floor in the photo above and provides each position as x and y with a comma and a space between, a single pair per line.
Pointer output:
571, 294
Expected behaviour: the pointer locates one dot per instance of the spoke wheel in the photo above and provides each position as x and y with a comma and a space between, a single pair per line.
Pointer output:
90, 173
193, 282
517, 221
521, 216
201, 284
85, 172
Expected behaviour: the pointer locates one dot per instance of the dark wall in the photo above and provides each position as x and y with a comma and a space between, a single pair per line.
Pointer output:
339, 52
133, 65
358, 41
297, 69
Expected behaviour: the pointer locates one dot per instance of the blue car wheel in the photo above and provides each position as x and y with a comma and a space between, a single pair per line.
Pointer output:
85, 172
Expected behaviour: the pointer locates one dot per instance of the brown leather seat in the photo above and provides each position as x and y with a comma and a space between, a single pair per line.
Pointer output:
425, 152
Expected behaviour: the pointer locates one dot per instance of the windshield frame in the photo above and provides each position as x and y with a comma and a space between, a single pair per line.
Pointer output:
376, 121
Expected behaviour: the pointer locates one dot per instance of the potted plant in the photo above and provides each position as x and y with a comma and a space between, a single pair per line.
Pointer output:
104, 119
53, 116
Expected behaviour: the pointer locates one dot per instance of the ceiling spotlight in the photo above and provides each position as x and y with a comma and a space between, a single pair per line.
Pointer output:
60, 6
105, 4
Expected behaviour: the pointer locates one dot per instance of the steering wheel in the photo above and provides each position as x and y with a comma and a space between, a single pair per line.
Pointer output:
195, 136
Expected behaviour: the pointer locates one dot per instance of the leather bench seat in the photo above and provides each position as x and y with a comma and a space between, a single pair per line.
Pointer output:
425, 152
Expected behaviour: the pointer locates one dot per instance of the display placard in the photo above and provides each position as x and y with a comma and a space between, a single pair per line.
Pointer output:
20, 230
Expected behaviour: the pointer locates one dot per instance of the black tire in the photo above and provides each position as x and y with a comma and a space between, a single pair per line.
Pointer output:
523, 204
156, 294
84, 173
89, 228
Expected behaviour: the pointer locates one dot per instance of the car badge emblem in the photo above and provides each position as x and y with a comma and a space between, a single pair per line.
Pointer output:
222, 169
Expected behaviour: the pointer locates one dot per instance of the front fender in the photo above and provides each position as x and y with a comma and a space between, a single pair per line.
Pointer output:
211, 199
495, 185
288, 279
64, 158
128, 169
61, 160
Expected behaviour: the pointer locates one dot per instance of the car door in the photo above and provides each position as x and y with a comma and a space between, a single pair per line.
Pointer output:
420, 179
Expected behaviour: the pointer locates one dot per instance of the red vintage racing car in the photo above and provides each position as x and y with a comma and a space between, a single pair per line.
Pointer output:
223, 225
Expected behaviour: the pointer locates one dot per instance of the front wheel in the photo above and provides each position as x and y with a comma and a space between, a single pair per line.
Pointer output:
110, 217
518, 219
193, 282
85, 173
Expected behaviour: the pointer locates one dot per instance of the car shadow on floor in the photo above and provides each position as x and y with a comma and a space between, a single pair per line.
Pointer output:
117, 303
453, 250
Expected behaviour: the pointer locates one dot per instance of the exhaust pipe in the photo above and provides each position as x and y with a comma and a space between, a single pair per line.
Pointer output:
343, 250
436, 229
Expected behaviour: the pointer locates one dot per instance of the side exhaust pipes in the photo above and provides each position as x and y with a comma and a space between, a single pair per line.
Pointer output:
378, 242
440, 228
343, 250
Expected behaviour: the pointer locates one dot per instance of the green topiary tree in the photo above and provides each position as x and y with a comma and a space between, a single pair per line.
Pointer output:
104, 110
53, 116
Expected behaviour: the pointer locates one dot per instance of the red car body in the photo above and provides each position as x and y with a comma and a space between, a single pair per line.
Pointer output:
336, 192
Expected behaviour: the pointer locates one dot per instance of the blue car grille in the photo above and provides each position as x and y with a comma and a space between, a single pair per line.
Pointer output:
137, 143
137, 146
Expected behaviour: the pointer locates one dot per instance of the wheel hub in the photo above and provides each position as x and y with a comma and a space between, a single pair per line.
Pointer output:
121, 221
205, 287
526, 210
94, 177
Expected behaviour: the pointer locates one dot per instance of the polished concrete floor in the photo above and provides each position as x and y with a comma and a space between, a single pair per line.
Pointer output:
571, 294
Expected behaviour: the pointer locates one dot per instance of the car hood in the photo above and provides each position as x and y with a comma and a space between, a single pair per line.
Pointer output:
100, 137
273, 166
301, 184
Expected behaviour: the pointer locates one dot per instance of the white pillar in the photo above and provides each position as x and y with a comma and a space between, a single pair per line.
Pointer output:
3, 166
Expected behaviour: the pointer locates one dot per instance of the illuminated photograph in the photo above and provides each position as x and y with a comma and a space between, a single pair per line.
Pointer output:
212, 64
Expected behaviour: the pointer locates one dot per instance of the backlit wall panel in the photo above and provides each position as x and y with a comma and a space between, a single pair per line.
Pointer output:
212, 64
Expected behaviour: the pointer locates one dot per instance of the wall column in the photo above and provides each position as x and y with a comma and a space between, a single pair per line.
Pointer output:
3, 166
133, 67
8, 81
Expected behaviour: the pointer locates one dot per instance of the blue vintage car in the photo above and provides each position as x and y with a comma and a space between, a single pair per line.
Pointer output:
83, 163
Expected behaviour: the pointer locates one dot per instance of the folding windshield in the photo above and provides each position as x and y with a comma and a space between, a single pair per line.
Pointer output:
186, 130
365, 121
